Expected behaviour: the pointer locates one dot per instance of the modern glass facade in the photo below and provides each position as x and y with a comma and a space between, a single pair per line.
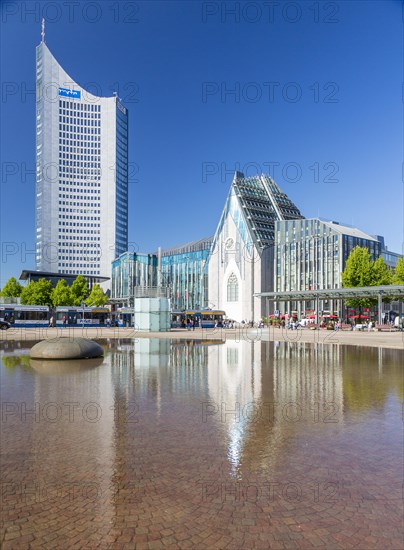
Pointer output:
81, 174
255, 204
121, 213
184, 272
132, 270
311, 254
241, 262
391, 258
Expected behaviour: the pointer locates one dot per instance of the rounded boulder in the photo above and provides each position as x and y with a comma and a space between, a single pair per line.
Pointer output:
66, 348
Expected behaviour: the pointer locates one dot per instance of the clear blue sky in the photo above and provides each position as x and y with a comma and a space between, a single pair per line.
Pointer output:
318, 97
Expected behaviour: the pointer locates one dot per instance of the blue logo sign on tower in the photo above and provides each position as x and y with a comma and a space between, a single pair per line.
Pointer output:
65, 92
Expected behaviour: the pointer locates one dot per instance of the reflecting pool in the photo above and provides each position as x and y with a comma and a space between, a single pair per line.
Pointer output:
195, 444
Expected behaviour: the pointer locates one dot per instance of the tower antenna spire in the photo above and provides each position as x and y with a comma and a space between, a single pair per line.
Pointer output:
43, 29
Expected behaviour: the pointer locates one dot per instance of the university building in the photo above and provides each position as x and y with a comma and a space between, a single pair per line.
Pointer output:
225, 271
185, 273
242, 253
311, 254
181, 270
262, 244
132, 270
81, 174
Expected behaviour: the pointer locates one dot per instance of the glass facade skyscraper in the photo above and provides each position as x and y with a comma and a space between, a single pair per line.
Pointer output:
81, 174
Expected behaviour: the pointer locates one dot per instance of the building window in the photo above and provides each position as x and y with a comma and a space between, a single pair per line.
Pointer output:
232, 289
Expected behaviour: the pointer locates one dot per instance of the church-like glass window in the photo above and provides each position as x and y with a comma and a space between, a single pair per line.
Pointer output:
232, 288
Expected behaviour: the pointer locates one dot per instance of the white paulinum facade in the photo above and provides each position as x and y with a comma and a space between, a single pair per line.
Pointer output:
81, 174
241, 262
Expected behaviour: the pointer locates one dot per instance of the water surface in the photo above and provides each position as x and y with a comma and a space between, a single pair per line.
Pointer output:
177, 444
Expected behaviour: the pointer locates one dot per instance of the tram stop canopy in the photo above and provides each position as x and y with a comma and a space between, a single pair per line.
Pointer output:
378, 292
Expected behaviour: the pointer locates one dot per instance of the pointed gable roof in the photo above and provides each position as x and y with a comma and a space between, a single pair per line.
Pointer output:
255, 204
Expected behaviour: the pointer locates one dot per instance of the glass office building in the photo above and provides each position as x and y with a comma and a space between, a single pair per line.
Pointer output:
81, 174
129, 271
184, 272
311, 254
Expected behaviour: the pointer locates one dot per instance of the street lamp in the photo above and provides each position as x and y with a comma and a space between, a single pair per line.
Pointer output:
83, 305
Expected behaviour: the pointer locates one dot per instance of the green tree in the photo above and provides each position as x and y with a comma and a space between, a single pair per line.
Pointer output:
381, 274
61, 295
97, 297
44, 292
12, 288
358, 272
398, 278
78, 290
358, 268
28, 294
37, 293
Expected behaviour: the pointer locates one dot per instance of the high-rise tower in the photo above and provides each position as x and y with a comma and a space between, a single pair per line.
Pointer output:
81, 174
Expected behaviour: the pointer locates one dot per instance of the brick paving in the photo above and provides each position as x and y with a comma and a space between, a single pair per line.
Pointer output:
168, 480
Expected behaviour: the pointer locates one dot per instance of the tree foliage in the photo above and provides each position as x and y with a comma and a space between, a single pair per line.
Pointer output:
358, 268
381, 274
97, 296
37, 293
399, 272
78, 290
12, 288
28, 294
358, 272
361, 270
61, 294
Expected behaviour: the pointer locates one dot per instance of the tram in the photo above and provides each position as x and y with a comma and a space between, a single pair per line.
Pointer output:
202, 318
25, 316
124, 317
73, 316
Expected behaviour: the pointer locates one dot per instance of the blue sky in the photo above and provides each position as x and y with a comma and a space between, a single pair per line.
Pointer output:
308, 91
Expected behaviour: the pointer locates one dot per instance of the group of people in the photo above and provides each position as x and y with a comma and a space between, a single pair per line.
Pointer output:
192, 323
52, 321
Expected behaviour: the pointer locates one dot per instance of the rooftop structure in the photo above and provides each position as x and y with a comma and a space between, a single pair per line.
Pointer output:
54, 278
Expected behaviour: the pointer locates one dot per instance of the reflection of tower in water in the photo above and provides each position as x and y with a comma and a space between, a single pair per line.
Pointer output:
71, 446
